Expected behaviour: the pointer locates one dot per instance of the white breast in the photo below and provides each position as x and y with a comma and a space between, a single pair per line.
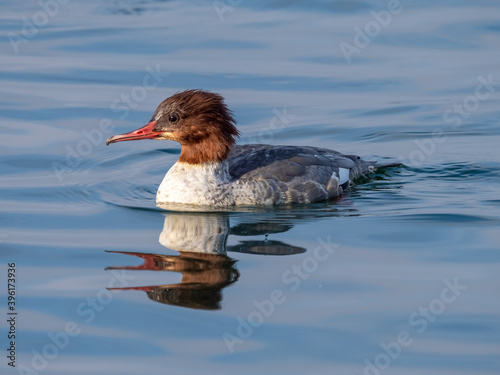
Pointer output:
199, 184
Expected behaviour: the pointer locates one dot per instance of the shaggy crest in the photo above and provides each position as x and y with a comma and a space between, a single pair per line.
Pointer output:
205, 127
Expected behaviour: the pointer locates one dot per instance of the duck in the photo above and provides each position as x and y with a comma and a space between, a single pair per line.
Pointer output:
213, 171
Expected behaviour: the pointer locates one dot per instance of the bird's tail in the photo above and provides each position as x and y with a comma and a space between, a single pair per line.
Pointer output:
363, 167
379, 165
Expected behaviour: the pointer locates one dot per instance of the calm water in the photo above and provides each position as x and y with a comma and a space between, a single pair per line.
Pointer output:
400, 276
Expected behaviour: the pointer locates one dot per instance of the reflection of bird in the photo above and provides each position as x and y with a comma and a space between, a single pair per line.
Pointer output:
206, 269
213, 171
203, 278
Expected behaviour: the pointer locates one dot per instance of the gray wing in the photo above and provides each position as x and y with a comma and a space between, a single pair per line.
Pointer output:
302, 174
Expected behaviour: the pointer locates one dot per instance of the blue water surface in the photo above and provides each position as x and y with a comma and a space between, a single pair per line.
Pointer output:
399, 276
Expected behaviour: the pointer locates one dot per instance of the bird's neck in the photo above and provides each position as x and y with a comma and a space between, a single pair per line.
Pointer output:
209, 150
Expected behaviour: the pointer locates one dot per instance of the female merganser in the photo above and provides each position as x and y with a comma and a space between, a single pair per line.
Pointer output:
213, 171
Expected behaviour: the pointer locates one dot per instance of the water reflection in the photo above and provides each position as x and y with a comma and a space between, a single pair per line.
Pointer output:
201, 240
204, 275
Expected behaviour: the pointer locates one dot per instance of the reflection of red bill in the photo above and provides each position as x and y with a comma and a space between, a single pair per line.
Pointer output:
143, 288
151, 261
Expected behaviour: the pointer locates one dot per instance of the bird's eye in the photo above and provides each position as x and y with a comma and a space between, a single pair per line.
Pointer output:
173, 117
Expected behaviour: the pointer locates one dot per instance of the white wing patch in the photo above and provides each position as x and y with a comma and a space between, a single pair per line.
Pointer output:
343, 176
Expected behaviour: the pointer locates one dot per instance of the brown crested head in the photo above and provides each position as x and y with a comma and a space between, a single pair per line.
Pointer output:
199, 120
